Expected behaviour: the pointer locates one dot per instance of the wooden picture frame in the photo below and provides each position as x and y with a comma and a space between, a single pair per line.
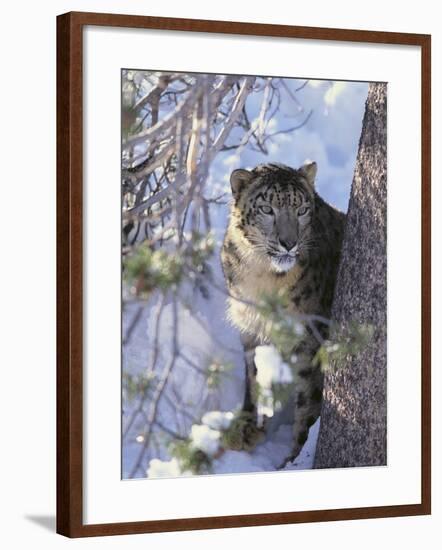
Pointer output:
70, 268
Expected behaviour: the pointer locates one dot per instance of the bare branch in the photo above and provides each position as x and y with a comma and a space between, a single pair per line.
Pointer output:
234, 114
302, 86
153, 96
158, 392
292, 129
139, 408
134, 322
161, 158
291, 94
167, 122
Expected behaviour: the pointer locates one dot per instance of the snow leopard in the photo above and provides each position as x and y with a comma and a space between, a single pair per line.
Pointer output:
281, 235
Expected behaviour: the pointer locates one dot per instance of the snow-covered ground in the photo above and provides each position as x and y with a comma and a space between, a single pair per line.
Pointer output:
269, 454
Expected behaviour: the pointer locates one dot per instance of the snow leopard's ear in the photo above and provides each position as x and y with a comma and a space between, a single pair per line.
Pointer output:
238, 180
309, 172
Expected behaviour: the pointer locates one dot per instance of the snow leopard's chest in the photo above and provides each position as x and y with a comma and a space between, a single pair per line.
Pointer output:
249, 289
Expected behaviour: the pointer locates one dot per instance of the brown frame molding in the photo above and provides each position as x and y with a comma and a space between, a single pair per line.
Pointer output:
70, 272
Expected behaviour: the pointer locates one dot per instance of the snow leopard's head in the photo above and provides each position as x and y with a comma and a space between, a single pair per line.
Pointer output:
273, 208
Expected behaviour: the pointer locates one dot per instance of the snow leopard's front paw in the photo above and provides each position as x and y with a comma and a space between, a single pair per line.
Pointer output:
243, 433
296, 449
287, 460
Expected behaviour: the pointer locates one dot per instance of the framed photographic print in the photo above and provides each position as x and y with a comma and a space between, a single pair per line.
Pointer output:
243, 239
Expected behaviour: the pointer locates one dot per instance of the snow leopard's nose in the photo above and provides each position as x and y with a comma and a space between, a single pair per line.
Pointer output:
287, 243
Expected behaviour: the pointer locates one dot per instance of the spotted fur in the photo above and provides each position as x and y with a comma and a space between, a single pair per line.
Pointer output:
281, 235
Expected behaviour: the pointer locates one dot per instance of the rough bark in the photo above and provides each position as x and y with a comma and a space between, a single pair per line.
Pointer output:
354, 413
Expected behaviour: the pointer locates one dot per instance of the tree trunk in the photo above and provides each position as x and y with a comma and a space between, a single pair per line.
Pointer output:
354, 413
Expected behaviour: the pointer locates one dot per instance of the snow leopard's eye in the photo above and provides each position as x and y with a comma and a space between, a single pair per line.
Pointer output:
303, 210
265, 209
